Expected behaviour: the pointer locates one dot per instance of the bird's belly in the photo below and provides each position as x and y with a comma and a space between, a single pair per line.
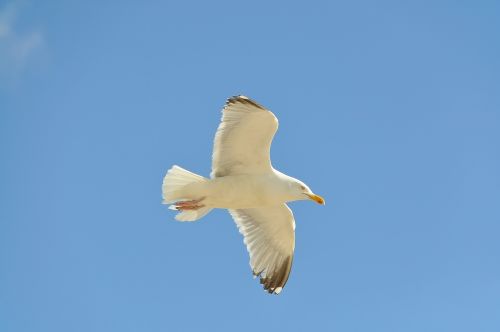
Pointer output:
240, 192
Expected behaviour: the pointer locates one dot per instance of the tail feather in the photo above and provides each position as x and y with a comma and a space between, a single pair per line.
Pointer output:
174, 182
192, 215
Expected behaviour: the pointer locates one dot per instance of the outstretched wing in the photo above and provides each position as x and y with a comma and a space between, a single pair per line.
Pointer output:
269, 234
243, 140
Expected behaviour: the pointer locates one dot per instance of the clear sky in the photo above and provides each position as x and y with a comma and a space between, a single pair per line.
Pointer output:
388, 109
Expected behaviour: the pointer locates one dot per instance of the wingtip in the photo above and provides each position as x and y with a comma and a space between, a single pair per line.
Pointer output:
244, 100
274, 291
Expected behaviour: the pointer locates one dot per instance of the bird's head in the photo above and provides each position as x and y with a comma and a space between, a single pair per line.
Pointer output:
301, 192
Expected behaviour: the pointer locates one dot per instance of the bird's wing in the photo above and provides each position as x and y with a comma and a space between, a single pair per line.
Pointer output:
243, 140
269, 234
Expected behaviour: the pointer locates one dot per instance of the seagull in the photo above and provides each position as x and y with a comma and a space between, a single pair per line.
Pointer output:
244, 182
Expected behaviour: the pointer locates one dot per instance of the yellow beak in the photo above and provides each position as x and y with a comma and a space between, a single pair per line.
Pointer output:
317, 198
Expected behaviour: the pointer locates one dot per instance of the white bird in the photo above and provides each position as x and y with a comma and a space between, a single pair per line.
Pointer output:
244, 182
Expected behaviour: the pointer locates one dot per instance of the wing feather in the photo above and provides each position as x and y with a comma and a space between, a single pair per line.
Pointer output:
269, 234
243, 140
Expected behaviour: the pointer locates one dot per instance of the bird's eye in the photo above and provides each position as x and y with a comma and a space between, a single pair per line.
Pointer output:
302, 187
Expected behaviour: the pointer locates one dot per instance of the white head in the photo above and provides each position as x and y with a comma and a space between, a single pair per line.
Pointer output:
300, 191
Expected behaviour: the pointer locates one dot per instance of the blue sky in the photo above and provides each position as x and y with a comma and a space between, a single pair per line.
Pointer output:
388, 109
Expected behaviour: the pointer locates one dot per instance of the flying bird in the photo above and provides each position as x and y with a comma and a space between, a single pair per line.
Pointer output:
244, 182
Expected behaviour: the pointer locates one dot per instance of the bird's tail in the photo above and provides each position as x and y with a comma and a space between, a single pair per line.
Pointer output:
174, 189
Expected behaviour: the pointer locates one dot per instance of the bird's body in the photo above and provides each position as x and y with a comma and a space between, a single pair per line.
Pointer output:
241, 191
244, 182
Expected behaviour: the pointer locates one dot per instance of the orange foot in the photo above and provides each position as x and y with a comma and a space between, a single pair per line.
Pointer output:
189, 205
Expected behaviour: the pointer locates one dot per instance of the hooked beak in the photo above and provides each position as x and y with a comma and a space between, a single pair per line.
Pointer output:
317, 198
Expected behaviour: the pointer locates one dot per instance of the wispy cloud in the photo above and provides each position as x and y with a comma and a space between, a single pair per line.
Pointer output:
17, 47
7, 15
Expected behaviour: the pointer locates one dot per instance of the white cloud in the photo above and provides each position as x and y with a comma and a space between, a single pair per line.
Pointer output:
7, 15
17, 48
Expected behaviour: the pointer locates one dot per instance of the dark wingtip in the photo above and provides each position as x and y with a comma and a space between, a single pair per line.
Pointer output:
277, 278
243, 100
